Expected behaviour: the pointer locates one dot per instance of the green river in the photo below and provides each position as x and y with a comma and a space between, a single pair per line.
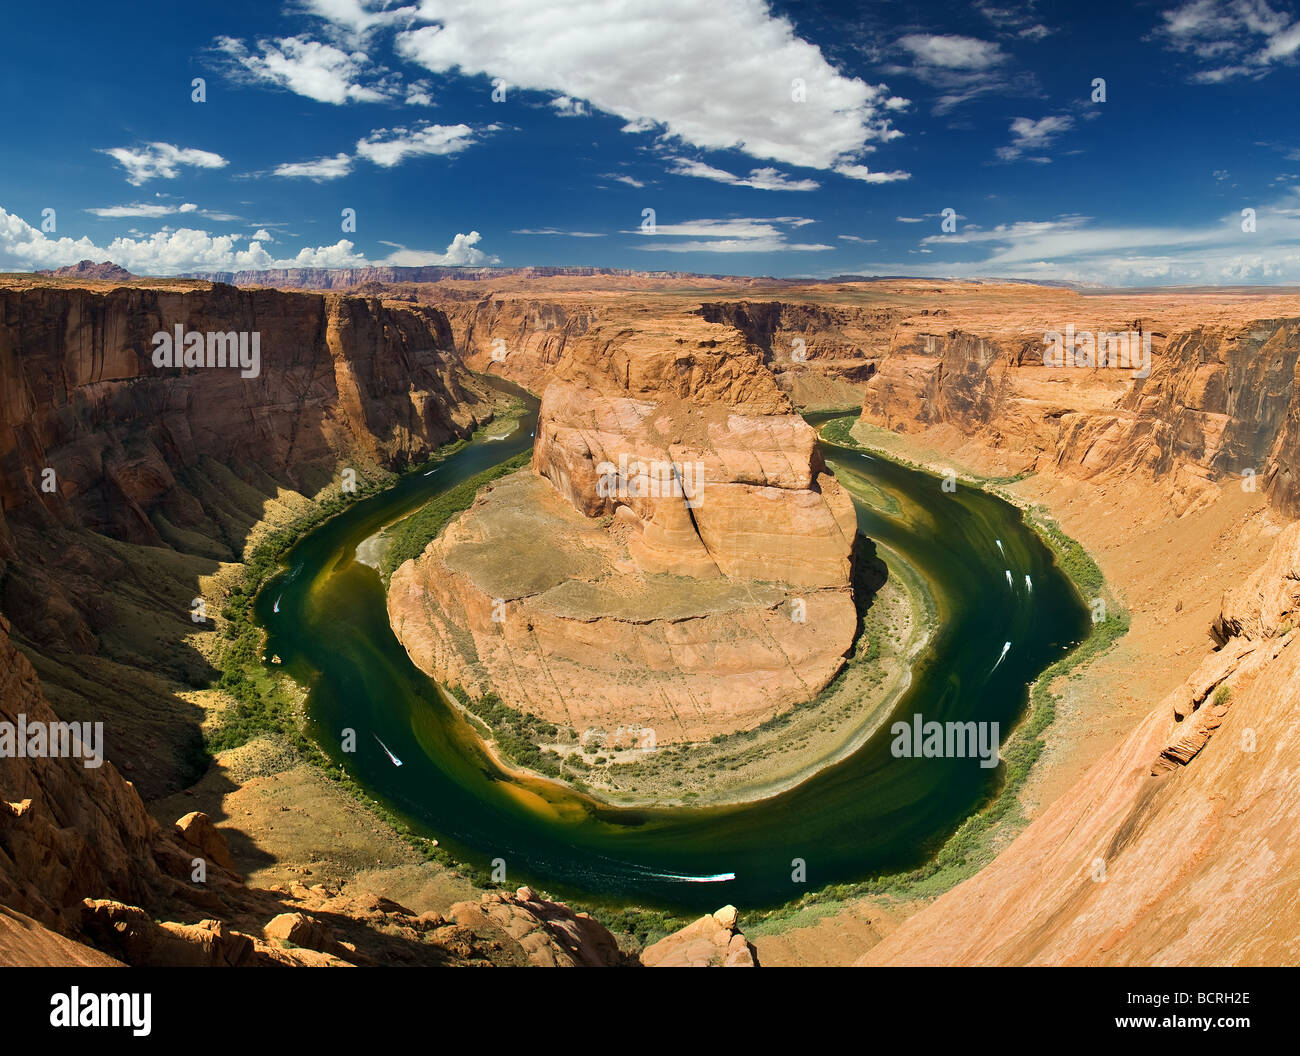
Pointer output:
993, 582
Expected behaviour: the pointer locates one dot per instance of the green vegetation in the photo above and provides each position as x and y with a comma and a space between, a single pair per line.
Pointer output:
263, 704
412, 535
1223, 695
515, 732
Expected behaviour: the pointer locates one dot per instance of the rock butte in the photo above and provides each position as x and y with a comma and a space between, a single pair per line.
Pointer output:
694, 613
1198, 834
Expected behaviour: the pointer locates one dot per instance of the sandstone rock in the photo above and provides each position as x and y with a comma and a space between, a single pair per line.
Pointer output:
544, 934
713, 941
197, 830
693, 605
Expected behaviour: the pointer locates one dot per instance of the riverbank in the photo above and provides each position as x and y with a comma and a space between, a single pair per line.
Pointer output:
1133, 539
895, 616
886, 900
290, 812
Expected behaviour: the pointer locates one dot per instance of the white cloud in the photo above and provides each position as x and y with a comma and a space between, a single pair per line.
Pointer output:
1028, 134
355, 20
308, 68
161, 161
389, 146
861, 172
715, 76
733, 235
959, 68
631, 181
557, 231
566, 107
146, 209
461, 253
320, 169
418, 93
764, 179
1071, 248
953, 52
170, 252
1234, 38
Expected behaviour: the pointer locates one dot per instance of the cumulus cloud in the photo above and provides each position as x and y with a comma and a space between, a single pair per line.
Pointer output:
320, 169
714, 76
167, 252
389, 146
308, 68
161, 161
462, 252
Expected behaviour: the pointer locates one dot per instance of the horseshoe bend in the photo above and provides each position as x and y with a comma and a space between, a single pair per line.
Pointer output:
648, 601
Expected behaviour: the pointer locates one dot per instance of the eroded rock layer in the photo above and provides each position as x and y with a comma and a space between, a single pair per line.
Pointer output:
678, 557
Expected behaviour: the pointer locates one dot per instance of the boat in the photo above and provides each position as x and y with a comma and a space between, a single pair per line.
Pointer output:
396, 761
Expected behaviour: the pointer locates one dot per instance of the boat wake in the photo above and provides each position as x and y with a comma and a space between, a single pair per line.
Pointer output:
396, 761
712, 878
1006, 648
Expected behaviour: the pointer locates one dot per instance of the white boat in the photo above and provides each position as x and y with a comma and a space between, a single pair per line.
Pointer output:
396, 761
276, 606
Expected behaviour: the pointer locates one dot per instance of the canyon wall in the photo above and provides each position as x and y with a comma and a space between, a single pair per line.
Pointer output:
124, 487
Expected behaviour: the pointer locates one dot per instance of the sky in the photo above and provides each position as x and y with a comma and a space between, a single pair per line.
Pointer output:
1138, 143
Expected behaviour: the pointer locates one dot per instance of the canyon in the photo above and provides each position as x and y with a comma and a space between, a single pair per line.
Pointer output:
165, 484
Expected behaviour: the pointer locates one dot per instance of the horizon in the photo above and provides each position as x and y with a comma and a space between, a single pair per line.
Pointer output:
1131, 149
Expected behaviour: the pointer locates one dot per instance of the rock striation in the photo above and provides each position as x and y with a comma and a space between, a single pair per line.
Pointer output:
678, 558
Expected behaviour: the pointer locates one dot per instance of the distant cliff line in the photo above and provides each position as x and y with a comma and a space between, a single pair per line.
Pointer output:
345, 278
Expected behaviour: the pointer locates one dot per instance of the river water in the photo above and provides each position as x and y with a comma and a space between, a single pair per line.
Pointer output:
868, 815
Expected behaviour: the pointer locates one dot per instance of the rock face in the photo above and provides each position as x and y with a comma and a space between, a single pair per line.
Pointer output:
546, 934
88, 878
678, 559
339, 378
123, 483
1220, 404
66, 831
1181, 847
88, 269
713, 941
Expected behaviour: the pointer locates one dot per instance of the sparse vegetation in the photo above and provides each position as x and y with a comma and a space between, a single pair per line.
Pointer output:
412, 535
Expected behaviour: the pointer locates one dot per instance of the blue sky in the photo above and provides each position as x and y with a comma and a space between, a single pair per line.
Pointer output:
806, 138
